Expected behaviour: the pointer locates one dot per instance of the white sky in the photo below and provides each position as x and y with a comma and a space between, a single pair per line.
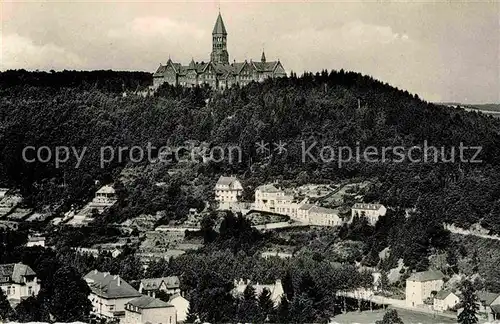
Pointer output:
444, 51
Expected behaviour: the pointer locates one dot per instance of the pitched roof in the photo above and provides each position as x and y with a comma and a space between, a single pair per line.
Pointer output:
487, 297
219, 27
109, 286
226, 181
154, 283
16, 271
265, 66
367, 206
495, 308
145, 302
306, 206
426, 276
323, 210
442, 294
269, 188
106, 189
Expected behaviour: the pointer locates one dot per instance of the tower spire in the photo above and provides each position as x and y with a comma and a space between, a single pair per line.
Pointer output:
219, 42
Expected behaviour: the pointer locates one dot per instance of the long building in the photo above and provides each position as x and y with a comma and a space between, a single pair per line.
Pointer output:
217, 72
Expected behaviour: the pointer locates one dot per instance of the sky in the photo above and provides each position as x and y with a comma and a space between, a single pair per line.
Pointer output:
447, 51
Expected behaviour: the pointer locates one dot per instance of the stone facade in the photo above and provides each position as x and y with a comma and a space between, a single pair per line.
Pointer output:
217, 72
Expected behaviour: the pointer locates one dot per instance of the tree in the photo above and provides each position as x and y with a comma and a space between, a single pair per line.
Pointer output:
6, 311
31, 310
282, 313
266, 306
390, 317
383, 281
248, 310
288, 285
68, 301
190, 316
302, 309
470, 304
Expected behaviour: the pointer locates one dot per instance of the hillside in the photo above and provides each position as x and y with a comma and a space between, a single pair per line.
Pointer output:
335, 108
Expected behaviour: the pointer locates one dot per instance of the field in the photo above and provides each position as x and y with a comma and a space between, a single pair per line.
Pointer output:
408, 317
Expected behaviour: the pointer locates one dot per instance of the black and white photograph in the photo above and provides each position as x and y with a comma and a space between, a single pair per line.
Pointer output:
250, 162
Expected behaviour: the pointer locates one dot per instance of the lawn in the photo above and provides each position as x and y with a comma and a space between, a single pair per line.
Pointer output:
407, 316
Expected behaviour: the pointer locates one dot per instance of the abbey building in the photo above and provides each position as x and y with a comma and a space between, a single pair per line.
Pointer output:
218, 72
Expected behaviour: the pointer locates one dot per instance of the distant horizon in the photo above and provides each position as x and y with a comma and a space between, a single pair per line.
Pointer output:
442, 51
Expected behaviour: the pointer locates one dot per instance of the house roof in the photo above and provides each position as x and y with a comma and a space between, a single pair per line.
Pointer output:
495, 308
106, 189
429, 275
269, 188
16, 271
145, 302
367, 206
487, 297
265, 66
154, 283
109, 286
306, 206
323, 210
442, 294
219, 27
226, 181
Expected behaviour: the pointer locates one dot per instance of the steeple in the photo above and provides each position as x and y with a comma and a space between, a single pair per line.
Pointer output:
263, 57
219, 42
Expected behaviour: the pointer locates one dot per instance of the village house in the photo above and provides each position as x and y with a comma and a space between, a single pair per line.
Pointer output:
18, 281
151, 287
228, 190
217, 73
109, 294
104, 198
371, 212
35, 240
181, 305
445, 300
320, 216
420, 285
271, 199
275, 289
489, 305
146, 309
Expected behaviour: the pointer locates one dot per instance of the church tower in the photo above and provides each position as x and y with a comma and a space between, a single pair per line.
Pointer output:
219, 43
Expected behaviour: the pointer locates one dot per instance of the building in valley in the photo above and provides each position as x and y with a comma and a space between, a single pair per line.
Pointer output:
146, 309
151, 287
228, 191
181, 305
445, 300
372, 212
421, 285
217, 72
109, 295
321, 216
271, 199
18, 281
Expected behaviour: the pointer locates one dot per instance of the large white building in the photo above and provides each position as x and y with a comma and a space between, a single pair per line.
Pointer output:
271, 199
320, 216
372, 212
18, 281
109, 294
420, 285
146, 309
228, 190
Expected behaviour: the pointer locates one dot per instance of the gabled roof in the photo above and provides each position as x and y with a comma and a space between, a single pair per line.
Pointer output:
265, 66
159, 72
16, 271
145, 302
109, 286
443, 294
487, 297
306, 206
106, 189
219, 27
323, 210
269, 188
367, 206
155, 283
226, 181
429, 275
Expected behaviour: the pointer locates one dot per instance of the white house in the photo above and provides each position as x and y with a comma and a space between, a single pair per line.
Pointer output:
275, 289
146, 309
227, 190
445, 300
420, 285
372, 212
320, 216
35, 241
109, 294
181, 305
271, 199
18, 281
489, 304
150, 287
104, 198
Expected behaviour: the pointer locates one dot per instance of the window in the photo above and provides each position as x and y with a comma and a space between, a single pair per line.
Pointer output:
29, 291
111, 307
